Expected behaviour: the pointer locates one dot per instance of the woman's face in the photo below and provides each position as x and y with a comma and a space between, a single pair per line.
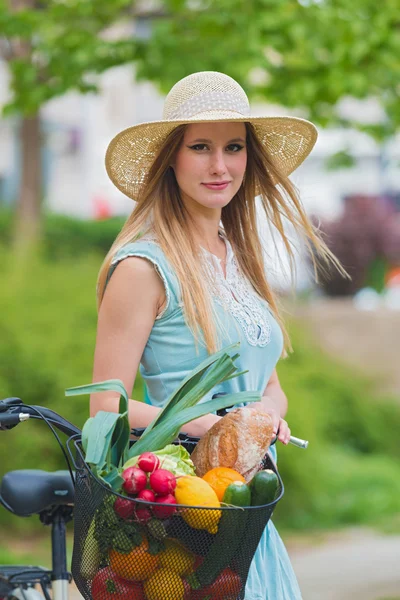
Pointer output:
211, 163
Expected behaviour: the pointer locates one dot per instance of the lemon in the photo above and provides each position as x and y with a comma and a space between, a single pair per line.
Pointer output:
164, 584
194, 491
176, 557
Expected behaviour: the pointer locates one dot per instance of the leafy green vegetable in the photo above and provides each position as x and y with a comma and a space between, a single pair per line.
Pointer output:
103, 426
105, 437
90, 560
174, 458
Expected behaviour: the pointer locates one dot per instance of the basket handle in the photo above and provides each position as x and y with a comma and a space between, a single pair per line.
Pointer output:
182, 437
73, 440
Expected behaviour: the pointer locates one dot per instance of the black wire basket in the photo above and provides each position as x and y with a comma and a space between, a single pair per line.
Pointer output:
161, 553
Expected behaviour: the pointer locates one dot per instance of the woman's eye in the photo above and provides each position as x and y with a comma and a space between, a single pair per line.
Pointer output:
235, 147
198, 147
230, 148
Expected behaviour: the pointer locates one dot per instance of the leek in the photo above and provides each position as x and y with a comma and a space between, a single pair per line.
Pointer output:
106, 437
167, 431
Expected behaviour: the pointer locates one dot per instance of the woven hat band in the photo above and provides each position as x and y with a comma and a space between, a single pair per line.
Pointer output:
204, 102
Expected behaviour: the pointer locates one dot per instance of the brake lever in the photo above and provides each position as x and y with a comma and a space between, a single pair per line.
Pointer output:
9, 402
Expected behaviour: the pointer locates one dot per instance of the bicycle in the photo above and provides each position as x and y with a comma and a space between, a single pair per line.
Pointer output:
51, 496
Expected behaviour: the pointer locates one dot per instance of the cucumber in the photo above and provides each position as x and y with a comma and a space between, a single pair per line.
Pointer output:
238, 494
264, 487
231, 529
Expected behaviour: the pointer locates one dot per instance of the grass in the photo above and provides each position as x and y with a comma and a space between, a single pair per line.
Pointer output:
30, 549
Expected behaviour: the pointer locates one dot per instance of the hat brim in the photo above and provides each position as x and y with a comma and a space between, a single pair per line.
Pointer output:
288, 140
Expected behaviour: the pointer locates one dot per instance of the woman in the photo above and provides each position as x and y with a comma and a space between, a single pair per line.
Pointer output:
186, 277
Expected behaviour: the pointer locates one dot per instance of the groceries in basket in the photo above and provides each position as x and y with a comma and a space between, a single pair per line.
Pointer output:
172, 520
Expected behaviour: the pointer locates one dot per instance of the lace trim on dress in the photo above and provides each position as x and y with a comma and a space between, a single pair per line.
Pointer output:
236, 294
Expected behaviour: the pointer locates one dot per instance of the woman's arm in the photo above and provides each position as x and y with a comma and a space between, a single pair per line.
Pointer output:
274, 402
141, 414
126, 317
276, 395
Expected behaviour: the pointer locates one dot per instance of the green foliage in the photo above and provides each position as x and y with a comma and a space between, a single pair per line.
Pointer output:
349, 474
340, 160
64, 45
47, 338
65, 236
298, 54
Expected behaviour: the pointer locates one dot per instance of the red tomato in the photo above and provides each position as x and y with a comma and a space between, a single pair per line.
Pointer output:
227, 586
106, 585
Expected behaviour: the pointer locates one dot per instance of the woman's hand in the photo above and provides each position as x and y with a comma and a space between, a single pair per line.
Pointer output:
200, 426
283, 431
281, 428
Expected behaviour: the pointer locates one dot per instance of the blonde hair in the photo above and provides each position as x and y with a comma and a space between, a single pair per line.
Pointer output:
160, 209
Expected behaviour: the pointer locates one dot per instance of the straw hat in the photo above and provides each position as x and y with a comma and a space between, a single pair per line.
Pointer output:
201, 98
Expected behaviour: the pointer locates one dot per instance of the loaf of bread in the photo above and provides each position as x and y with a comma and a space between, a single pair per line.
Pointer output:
239, 440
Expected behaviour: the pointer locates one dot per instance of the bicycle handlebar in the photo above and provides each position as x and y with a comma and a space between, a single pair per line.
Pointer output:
8, 420
11, 415
13, 412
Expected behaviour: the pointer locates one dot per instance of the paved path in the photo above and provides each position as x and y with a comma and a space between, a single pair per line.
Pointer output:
359, 564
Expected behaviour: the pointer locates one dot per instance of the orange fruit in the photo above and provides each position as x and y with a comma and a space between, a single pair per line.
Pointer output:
220, 477
138, 564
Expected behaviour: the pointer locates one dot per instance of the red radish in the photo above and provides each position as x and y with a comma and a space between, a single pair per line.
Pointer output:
162, 511
147, 495
148, 462
163, 482
124, 507
143, 514
134, 480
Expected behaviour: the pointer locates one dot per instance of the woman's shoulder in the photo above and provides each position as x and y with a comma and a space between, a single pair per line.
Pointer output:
147, 247
144, 247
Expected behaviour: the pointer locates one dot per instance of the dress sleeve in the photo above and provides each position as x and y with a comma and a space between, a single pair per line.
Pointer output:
153, 253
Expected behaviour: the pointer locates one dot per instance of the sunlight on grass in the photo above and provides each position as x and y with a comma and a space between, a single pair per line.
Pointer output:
32, 550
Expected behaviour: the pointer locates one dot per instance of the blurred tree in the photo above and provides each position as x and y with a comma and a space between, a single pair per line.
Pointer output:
307, 54
51, 47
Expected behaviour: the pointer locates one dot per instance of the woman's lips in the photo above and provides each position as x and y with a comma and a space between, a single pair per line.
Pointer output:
216, 186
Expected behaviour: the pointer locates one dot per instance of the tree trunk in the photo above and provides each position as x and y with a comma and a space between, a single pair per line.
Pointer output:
28, 213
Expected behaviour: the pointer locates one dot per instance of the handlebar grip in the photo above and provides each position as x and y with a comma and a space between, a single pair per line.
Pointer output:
10, 420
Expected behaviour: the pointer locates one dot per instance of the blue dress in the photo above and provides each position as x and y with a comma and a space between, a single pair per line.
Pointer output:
170, 355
